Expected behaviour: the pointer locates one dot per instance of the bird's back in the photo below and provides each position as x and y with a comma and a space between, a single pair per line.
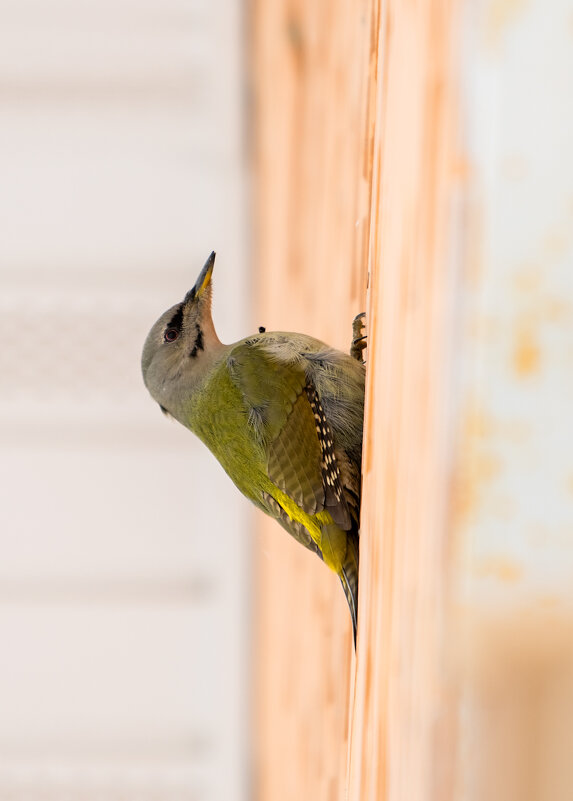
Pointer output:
256, 381
287, 428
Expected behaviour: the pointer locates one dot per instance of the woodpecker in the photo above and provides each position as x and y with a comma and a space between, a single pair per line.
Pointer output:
282, 412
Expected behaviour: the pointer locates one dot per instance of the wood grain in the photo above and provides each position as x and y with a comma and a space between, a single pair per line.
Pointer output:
310, 78
354, 125
402, 719
462, 683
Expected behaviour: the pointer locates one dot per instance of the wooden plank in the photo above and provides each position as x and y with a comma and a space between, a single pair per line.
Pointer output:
463, 682
464, 672
301, 242
402, 720
310, 69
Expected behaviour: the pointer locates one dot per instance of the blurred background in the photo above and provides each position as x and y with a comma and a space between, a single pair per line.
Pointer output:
411, 159
124, 567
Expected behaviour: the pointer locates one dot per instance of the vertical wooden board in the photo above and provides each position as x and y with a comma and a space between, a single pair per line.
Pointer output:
310, 71
463, 685
463, 668
402, 739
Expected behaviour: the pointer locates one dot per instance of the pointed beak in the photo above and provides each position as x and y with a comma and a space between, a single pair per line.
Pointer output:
204, 279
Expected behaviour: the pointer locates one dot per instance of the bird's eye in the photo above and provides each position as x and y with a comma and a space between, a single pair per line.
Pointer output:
170, 335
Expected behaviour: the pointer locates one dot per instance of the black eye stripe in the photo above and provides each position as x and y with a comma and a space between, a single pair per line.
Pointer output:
177, 320
173, 327
198, 345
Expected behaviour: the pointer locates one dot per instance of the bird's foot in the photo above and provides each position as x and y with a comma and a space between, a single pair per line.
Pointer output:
358, 345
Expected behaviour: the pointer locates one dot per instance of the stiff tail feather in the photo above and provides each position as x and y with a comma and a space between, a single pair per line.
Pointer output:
349, 578
339, 551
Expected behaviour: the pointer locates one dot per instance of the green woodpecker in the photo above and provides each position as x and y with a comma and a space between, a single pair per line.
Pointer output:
283, 414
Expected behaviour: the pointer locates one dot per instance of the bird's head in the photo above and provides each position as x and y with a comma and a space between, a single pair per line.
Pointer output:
182, 345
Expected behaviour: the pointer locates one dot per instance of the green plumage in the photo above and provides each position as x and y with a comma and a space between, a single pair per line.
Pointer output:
282, 413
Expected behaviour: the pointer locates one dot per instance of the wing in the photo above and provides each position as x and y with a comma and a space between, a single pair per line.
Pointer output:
286, 416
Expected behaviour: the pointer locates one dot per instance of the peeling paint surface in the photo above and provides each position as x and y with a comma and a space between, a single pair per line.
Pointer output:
512, 640
513, 502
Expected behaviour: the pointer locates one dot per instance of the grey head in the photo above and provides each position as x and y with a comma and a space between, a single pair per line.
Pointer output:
182, 346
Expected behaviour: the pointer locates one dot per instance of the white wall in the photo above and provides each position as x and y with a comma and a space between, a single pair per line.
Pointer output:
124, 557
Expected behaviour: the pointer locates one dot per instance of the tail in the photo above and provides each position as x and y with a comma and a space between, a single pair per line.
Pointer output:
339, 550
349, 578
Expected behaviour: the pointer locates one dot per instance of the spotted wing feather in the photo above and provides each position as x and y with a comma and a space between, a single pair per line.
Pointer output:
287, 416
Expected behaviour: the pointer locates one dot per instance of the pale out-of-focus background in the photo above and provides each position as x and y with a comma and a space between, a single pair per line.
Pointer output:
124, 560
